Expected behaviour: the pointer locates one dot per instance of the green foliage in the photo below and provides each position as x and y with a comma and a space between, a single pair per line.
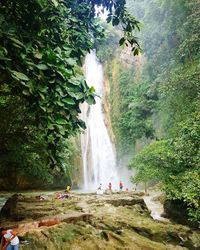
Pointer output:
176, 163
179, 95
185, 187
153, 161
137, 103
42, 58
22, 147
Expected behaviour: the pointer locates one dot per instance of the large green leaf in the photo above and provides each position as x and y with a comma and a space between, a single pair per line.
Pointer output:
90, 100
38, 55
61, 104
42, 66
16, 41
69, 101
50, 126
76, 95
55, 3
71, 61
61, 121
74, 81
19, 75
26, 92
42, 88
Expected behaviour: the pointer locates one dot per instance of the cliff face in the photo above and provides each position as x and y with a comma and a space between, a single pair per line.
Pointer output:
117, 85
124, 61
107, 107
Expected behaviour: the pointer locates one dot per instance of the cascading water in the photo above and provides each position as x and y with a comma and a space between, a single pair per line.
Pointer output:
99, 161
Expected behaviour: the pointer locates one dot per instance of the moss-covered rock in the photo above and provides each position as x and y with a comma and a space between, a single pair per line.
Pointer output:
110, 222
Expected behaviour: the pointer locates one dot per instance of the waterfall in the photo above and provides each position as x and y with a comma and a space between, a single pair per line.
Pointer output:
99, 160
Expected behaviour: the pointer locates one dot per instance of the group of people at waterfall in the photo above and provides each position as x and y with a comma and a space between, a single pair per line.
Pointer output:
110, 187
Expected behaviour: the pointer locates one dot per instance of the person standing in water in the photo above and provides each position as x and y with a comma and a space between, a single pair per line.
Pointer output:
110, 186
120, 185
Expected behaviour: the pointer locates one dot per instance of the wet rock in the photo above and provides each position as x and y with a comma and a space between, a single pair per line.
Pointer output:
2, 202
159, 198
25, 227
187, 239
104, 235
74, 218
127, 201
9, 210
191, 240
49, 222
138, 193
142, 231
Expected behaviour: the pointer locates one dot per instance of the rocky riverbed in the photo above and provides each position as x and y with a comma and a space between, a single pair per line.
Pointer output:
88, 221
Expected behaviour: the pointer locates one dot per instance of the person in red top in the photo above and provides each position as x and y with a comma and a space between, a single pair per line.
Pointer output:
110, 186
120, 185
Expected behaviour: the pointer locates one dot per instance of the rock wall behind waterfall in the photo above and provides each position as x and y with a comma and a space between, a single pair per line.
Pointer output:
107, 108
124, 61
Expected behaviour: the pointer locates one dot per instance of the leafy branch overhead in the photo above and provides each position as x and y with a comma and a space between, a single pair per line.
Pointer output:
42, 45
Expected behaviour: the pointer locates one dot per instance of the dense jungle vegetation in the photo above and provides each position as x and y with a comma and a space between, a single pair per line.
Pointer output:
42, 47
159, 107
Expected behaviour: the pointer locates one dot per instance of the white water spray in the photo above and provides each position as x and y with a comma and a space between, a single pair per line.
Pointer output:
99, 160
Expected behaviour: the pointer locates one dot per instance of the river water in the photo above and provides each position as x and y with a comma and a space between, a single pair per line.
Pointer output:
155, 206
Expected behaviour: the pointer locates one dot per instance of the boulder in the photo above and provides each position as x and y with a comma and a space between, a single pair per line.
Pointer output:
9, 210
127, 201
